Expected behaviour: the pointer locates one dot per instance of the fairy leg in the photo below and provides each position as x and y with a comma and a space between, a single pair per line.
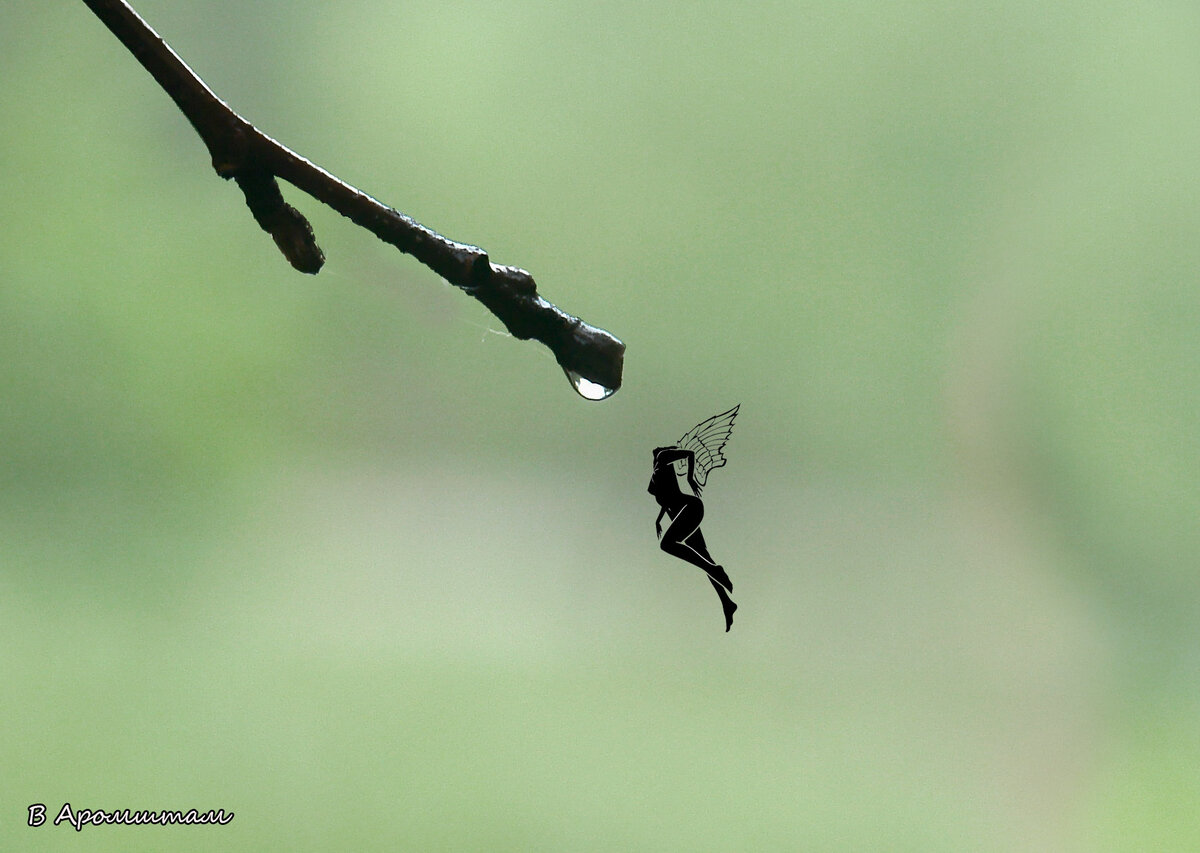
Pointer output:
727, 604
684, 530
696, 543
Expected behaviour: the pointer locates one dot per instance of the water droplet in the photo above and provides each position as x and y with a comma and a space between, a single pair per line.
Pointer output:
586, 388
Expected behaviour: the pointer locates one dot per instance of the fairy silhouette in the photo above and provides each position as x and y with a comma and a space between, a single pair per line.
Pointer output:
694, 456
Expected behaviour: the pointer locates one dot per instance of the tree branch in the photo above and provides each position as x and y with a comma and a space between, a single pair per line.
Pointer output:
254, 160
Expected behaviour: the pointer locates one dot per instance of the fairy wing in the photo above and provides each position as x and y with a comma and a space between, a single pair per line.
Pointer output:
705, 440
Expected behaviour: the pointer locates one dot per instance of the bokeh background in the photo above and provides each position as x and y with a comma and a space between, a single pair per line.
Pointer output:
334, 554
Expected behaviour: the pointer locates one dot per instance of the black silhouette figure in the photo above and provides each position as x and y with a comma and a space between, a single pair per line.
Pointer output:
698, 452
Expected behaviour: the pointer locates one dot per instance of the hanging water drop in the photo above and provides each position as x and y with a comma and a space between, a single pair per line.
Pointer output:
586, 388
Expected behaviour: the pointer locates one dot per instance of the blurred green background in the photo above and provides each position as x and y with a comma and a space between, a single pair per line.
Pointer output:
330, 553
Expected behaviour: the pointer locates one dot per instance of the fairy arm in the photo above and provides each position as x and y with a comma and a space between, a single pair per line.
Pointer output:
691, 472
666, 455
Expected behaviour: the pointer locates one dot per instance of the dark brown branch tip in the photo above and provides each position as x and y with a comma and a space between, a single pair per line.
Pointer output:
592, 353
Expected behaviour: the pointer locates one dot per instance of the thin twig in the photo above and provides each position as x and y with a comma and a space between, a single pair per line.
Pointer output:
254, 160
